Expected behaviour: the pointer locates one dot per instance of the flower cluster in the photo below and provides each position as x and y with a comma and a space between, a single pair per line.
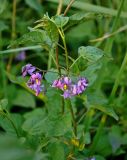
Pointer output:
64, 83
69, 88
34, 82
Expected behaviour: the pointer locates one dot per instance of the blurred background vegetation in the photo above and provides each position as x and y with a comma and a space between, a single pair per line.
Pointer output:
16, 18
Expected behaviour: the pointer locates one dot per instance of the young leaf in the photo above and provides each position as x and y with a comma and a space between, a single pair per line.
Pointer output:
60, 20
81, 17
36, 37
50, 27
90, 53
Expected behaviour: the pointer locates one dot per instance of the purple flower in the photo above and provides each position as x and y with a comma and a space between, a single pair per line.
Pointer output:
21, 56
81, 85
70, 89
63, 83
75, 89
67, 94
57, 83
28, 69
35, 83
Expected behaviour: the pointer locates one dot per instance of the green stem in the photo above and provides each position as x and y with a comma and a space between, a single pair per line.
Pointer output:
98, 134
13, 32
88, 119
21, 49
59, 9
50, 59
109, 43
73, 117
66, 54
68, 7
2, 68
65, 47
116, 84
57, 61
103, 120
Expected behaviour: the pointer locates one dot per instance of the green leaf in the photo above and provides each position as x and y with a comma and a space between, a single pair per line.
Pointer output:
98, 157
115, 138
34, 4
60, 20
3, 104
81, 17
103, 146
3, 26
54, 103
3, 5
7, 125
36, 112
51, 75
90, 53
50, 27
97, 98
87, 138
24, 99
107, 110
56, 151
37, 123
60, 125
11, 148
37, 37
91, 73
124, 137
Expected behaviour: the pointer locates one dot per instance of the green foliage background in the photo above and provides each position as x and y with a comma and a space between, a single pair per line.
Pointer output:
33, 128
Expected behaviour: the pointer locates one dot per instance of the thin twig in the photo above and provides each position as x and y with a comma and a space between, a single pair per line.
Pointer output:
68, 7
13, 33
108, 35
57, 60
59, 9
73, 119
